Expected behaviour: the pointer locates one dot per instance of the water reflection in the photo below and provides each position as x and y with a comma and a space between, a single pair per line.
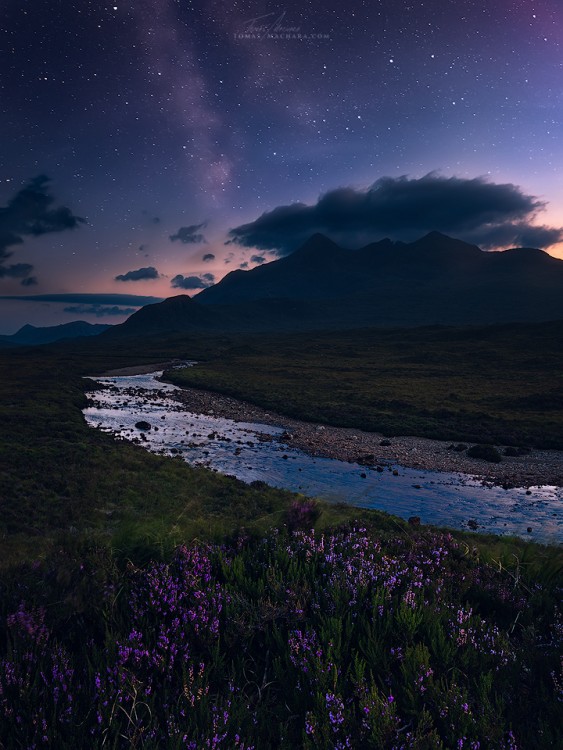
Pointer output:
254, 452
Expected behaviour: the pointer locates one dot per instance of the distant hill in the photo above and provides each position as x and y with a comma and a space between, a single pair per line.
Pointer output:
31, 335
435, 280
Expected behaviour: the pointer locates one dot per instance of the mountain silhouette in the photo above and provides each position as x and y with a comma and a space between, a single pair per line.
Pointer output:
32, 336
434, 280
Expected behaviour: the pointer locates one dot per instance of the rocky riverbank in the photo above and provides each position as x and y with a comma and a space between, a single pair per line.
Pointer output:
143, 369
538, 467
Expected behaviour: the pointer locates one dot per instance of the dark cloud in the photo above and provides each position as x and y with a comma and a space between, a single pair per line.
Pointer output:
29, 281
129, 300
257, 259
403, 208
99, 311
193, 282
208, 257
16, 271
141, 274
244, 265
190, 235
30, 213
7, 239
519, 234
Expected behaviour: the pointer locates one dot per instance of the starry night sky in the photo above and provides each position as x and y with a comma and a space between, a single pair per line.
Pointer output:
180, 129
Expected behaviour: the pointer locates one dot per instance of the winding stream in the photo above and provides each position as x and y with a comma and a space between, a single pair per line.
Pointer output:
254, 452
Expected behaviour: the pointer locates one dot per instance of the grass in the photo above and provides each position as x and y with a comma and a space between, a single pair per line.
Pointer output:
144, 603
500, 385
61, 478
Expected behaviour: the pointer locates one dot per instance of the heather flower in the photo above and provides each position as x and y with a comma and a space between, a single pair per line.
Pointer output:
335, 709
334, 639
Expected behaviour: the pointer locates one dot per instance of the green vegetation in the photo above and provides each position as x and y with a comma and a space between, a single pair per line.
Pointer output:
354, 637
59, 478
501, 384
147, 604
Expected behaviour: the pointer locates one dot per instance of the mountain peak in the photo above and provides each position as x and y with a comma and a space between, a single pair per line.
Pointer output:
317, 238
27, 328
434, 280
318, 248
435, 235
436, 242
441, 239
316, 243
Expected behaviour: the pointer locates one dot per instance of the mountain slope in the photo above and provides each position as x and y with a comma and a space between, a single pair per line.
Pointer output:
175, 314
435, 280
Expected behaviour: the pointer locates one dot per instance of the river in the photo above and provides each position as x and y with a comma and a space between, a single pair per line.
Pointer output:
254, 452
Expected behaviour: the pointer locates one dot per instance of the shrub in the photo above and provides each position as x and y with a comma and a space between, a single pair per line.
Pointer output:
340, 639
486, 452
302, 514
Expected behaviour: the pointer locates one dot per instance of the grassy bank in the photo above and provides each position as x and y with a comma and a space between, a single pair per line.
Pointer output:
501, 384
59, 478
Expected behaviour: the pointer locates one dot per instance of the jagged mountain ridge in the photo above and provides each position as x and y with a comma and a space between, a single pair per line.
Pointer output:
434, 280
320, 268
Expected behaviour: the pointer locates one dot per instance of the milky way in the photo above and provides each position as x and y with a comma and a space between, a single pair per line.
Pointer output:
162, 119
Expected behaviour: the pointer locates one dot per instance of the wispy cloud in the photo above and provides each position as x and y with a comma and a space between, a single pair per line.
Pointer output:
99, 311
132, 300
190, 235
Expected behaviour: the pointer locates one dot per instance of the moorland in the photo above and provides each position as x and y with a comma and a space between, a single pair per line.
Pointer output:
148, 604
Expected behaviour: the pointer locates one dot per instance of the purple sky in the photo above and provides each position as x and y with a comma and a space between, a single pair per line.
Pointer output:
171, 126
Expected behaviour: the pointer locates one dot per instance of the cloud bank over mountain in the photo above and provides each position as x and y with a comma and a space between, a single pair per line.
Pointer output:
476, 210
